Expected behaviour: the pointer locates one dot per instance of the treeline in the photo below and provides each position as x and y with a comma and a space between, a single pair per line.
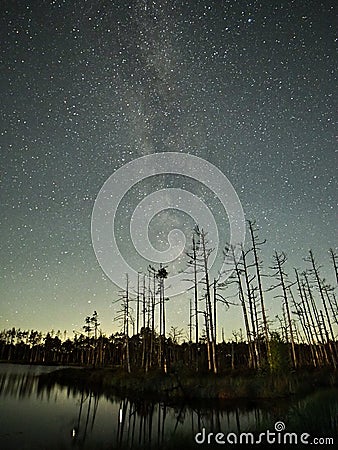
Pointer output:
32, 347
301, 336
304, 335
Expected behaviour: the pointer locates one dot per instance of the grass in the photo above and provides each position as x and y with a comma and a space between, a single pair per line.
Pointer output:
318, 411
188, 385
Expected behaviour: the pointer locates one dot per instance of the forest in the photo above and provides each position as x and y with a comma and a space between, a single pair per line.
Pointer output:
303, 336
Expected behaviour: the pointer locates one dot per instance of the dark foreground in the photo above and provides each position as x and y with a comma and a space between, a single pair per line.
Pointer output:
52, 408
190, 386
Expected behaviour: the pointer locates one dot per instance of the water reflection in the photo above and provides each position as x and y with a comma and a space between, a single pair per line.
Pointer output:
41, 415
17, 385
86, 418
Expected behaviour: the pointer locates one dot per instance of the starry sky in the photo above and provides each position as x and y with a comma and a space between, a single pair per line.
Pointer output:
88, 86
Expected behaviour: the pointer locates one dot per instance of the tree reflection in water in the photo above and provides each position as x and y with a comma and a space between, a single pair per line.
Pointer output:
95, 420
133, 422
86, 417
145, 423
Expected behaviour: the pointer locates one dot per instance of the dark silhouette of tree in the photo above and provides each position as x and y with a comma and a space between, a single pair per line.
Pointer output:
279, 261
258, 264
334, 262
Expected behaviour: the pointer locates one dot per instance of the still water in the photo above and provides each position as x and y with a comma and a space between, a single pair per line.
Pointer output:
34, 416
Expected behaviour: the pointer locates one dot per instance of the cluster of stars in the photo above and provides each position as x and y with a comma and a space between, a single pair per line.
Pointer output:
88, 87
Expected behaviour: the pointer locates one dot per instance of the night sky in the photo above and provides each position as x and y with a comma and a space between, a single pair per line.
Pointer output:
87, 87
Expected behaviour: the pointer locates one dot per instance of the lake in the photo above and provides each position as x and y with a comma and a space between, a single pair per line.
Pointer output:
36, 416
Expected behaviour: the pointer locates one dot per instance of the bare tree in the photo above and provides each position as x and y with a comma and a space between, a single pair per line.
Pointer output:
195, 264
334, 262
255, 247
161, 275
281, 276
308, 318
238, 278
210, 315
252, 306
138, 304
315, 271
123, 316
301, 314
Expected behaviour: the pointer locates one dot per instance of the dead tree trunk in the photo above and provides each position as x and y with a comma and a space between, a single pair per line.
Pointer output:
241, 297
301, 314
138, 305
195, 265
195, 299
144, 306
207, 333
332, 303
334, 261
316, 316
308, 319
127, 324
280, 261
256, 355
329, 342
161, 275
315, 270
255, 246
206, 255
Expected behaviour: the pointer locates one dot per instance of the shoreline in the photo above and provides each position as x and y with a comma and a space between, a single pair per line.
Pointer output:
192, 386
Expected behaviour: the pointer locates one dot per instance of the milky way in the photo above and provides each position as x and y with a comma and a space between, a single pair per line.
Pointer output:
87, 87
